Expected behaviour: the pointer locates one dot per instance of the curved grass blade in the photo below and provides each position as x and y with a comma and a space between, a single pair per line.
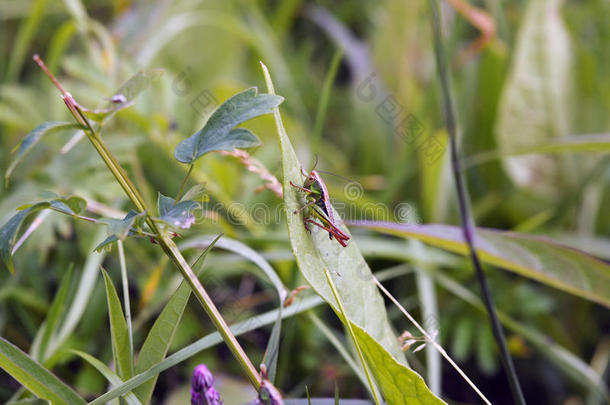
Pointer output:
112, 378
363, 304
37, 379
535, 257
33, 138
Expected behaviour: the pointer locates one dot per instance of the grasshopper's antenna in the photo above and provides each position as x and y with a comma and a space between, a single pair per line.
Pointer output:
337, 175
315, 162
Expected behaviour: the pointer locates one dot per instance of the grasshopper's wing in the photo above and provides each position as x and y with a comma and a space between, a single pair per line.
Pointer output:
325, 197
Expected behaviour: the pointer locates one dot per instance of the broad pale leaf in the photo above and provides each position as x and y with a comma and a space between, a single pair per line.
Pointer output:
315, 252
536, 257
534, 104
218, 132
37, 379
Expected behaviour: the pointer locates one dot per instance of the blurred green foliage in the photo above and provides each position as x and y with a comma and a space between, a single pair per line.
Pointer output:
210, 51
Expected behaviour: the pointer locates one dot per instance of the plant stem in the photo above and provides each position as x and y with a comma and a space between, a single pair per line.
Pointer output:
468, 226
125, 287
166, 243
181, 189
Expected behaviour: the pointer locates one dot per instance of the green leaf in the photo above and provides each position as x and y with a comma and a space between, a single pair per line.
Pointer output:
33, 138
121, 227
106, 244
162, 332
535, 257
9, 231
37, 379
112, 378
314, 254
178, 215
218, 132
70, 206
121, 349
125, 95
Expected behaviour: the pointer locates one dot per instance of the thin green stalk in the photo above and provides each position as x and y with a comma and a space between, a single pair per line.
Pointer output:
166, 243
181, 189
324, 97
348, 325
125, 283
468, 226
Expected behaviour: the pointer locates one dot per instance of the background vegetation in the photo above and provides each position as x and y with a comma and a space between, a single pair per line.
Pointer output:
527, 75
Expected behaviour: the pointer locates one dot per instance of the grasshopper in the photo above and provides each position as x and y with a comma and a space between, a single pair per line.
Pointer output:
319, 207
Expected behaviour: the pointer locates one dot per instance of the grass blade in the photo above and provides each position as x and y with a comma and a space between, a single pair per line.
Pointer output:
40, 381
112, 378
121, 350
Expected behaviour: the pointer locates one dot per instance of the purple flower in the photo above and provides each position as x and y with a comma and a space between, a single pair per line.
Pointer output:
202, 392
202, 378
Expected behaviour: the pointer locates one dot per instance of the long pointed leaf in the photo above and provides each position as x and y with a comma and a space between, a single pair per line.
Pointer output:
121, 348
40, 381
112, 378
531, 256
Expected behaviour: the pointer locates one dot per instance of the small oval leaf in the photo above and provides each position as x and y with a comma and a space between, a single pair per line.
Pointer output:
218, 132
